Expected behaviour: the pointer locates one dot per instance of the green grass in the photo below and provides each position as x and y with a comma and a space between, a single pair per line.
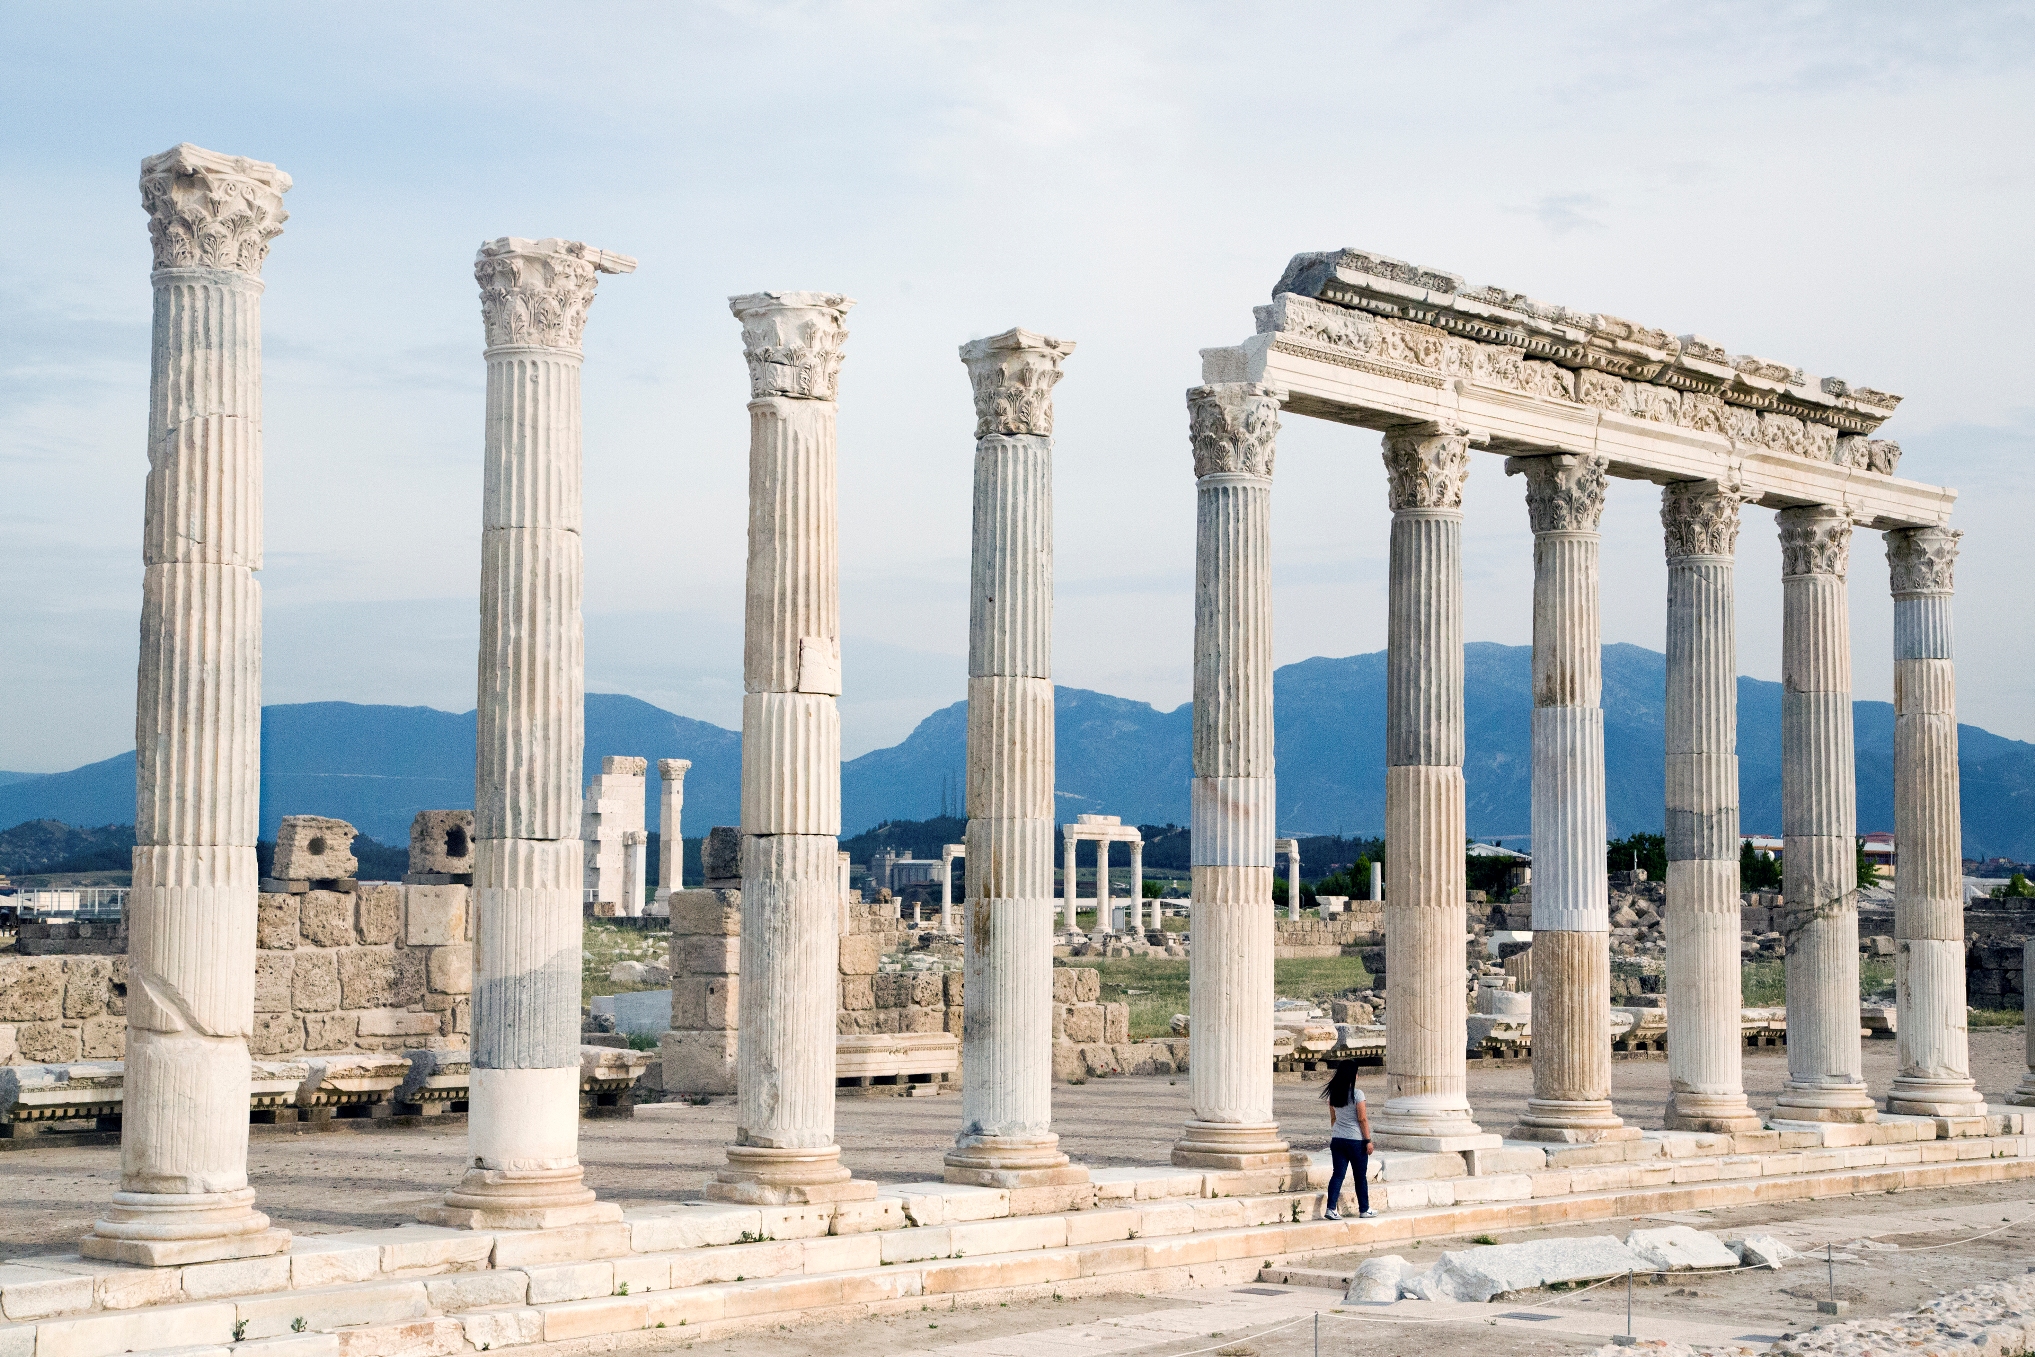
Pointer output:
1994, 1017
1763, 984
1085, 920
603, 944
1156, 988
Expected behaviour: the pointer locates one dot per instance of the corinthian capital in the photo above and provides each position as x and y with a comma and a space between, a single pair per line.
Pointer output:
1564, 492
1815, 540
212, 211
1014, 375
1923, 560
1700, 517
793, 342
1427, 465
536, 292
1233, 427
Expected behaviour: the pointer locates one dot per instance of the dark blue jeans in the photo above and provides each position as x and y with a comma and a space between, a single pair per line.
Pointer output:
1350, 1155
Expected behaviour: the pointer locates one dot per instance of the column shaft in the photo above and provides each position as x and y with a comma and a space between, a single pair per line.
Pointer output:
1138, 891
1101, 887
2024, 1092
671, 828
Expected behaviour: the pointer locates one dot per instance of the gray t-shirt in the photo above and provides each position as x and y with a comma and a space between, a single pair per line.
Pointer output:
1346, 1127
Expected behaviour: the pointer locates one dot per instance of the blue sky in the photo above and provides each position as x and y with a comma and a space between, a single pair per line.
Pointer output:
1843, 187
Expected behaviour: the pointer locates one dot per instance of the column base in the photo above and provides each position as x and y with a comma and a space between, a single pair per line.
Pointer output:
1825, 1102
1430, 1127
521, 1199
2023, 1094
1233, 1146
1718, 1113
1915, 1097
1034, 1172
1563, 1122
164, 1229
759, 1175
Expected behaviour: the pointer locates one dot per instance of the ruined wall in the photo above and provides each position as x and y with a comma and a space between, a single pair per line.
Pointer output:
59, 1008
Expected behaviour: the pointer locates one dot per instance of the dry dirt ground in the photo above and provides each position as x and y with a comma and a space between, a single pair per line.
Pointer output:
319, 1183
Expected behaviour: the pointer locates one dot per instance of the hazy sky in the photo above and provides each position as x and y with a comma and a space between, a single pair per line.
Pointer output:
1842, 187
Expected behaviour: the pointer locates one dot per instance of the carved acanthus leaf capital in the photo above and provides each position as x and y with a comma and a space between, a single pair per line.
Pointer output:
1923, 560
793, 342
536, 292
1564, 492
1014, 374
1700, 518
212, 211
1427, 466
1815, 540
1234, 427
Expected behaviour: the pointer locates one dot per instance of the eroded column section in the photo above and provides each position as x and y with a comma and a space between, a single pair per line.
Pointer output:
784, 1147
1006, 1138
1426, 1103
1571, 907
1932, 1045
523, 1126
1705, 1064
671, 828
183, 1194
1819, 820
1234, 427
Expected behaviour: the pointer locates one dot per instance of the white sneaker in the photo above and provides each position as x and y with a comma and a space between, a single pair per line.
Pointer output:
1331, 1215
1367, 1215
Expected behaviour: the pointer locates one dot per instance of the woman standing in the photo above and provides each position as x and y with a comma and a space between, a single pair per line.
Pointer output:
1349, 1144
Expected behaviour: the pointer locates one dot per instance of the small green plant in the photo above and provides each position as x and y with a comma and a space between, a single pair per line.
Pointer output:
622, 1290
297, 1325
751, 1237
700, 1100
1483, 1239
1296, 1210
1077, 1081
239, 1330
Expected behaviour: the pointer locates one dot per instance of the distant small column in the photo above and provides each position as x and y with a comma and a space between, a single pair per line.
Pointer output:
635, 854
948, 853
670, 827
1378, 881
1138, 888
1932, 1044
1291, 848
846, 903
1101, 887
1819, 822
1070, 900
523, 1128
2024, 1093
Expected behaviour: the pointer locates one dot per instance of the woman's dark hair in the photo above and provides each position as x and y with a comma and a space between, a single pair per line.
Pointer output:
1341, 1084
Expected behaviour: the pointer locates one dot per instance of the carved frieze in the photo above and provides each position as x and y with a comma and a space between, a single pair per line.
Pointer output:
1564, 493
1234, 427
1426, 466
212, 211
1700, 518
793, 342
1923, 560
537, 292
1815, 540
1868, 454
1014, 374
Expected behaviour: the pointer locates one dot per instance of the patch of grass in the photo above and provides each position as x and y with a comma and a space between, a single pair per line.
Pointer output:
602, 944
1994, 1017
1763, 984
1160, 985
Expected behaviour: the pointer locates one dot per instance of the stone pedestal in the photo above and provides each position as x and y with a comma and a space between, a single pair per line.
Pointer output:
1571, 1099
1426, 1104
183, 1194
1705, 1065
523, 1124
1233, 426
784, 1148
1006, 1138
1933, 1047
1819, 819
671, 828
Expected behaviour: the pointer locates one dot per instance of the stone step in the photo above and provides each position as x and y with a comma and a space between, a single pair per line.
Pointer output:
1304, 1276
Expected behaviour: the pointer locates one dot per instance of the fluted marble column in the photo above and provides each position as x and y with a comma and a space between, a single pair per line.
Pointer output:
671, 828
1819, 820
1101, 887
1070, 899
948, 853
1006, 1138
183, 1194
1138, 890
1705, 1052
784, 1148
1426, 1083
1233, 427
1932, 1045
2024, 1092
523, 1127
1571, 905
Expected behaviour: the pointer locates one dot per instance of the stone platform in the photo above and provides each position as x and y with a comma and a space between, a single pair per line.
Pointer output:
420, 1291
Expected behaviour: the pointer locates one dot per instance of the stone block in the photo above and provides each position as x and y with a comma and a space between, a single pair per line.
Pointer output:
472, 1290
409, 1338
721, 855
31, 989
330, 1031
1116, 1022
273, 972
1084, 1023
379, 912
716, 913
1482, 1273
570, 1281
706, 956
50, 1043
704, 1267
398, 1022
1678, 1248
690, 1226
325, 918
28, 1293
128, 1288
434, 915
450, 969
275, 1034
857, 994
238, 1277
332, 1260
864, 1217
490, 1329
160, 1326
705, 1001
859, 955
378, 977
275, 922
569, 1244
87, 985
441, 843
314, 848
104, 1038
587, 1318
314, 981
917, 1245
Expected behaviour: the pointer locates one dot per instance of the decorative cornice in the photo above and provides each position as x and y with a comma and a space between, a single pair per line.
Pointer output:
1700, 518
1234, 427
1869, 454
673, 768
1923, 560
1564, 492
1427, 465
793, 342
212, 211
1815, 540
1014, 374
535, 293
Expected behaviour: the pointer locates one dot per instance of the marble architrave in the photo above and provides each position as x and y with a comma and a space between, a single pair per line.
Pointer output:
523, 1123
671, 827
183, 1195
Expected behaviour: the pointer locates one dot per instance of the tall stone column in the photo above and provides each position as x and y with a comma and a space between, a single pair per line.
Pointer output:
1101, 886
1006, 1138
1427, 1105
1819, 821
2024, 1092
671, 827
183, 1194
1705, 1060
1934, 1051
1571, 904
784, 1147
1138, 889
523, 1125
949, 852
1233, 427
1070, 897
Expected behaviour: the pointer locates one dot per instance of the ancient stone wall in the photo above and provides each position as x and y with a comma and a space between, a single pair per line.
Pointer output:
58, 1008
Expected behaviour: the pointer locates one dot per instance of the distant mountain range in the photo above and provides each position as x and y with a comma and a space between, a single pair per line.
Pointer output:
377, 766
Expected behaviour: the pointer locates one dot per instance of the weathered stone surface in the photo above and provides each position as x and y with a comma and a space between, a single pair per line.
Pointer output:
31, 988
276, 1034
451, 969
314, 981
49, 1043
87, 981
1760, 1250
441, 842
1377, 1281
314, 848
1676, 1248
275, 927
326, 918
1479, 1274
435, 915
859, 956
330, 1031
273, 978
379, 912
104, 1038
